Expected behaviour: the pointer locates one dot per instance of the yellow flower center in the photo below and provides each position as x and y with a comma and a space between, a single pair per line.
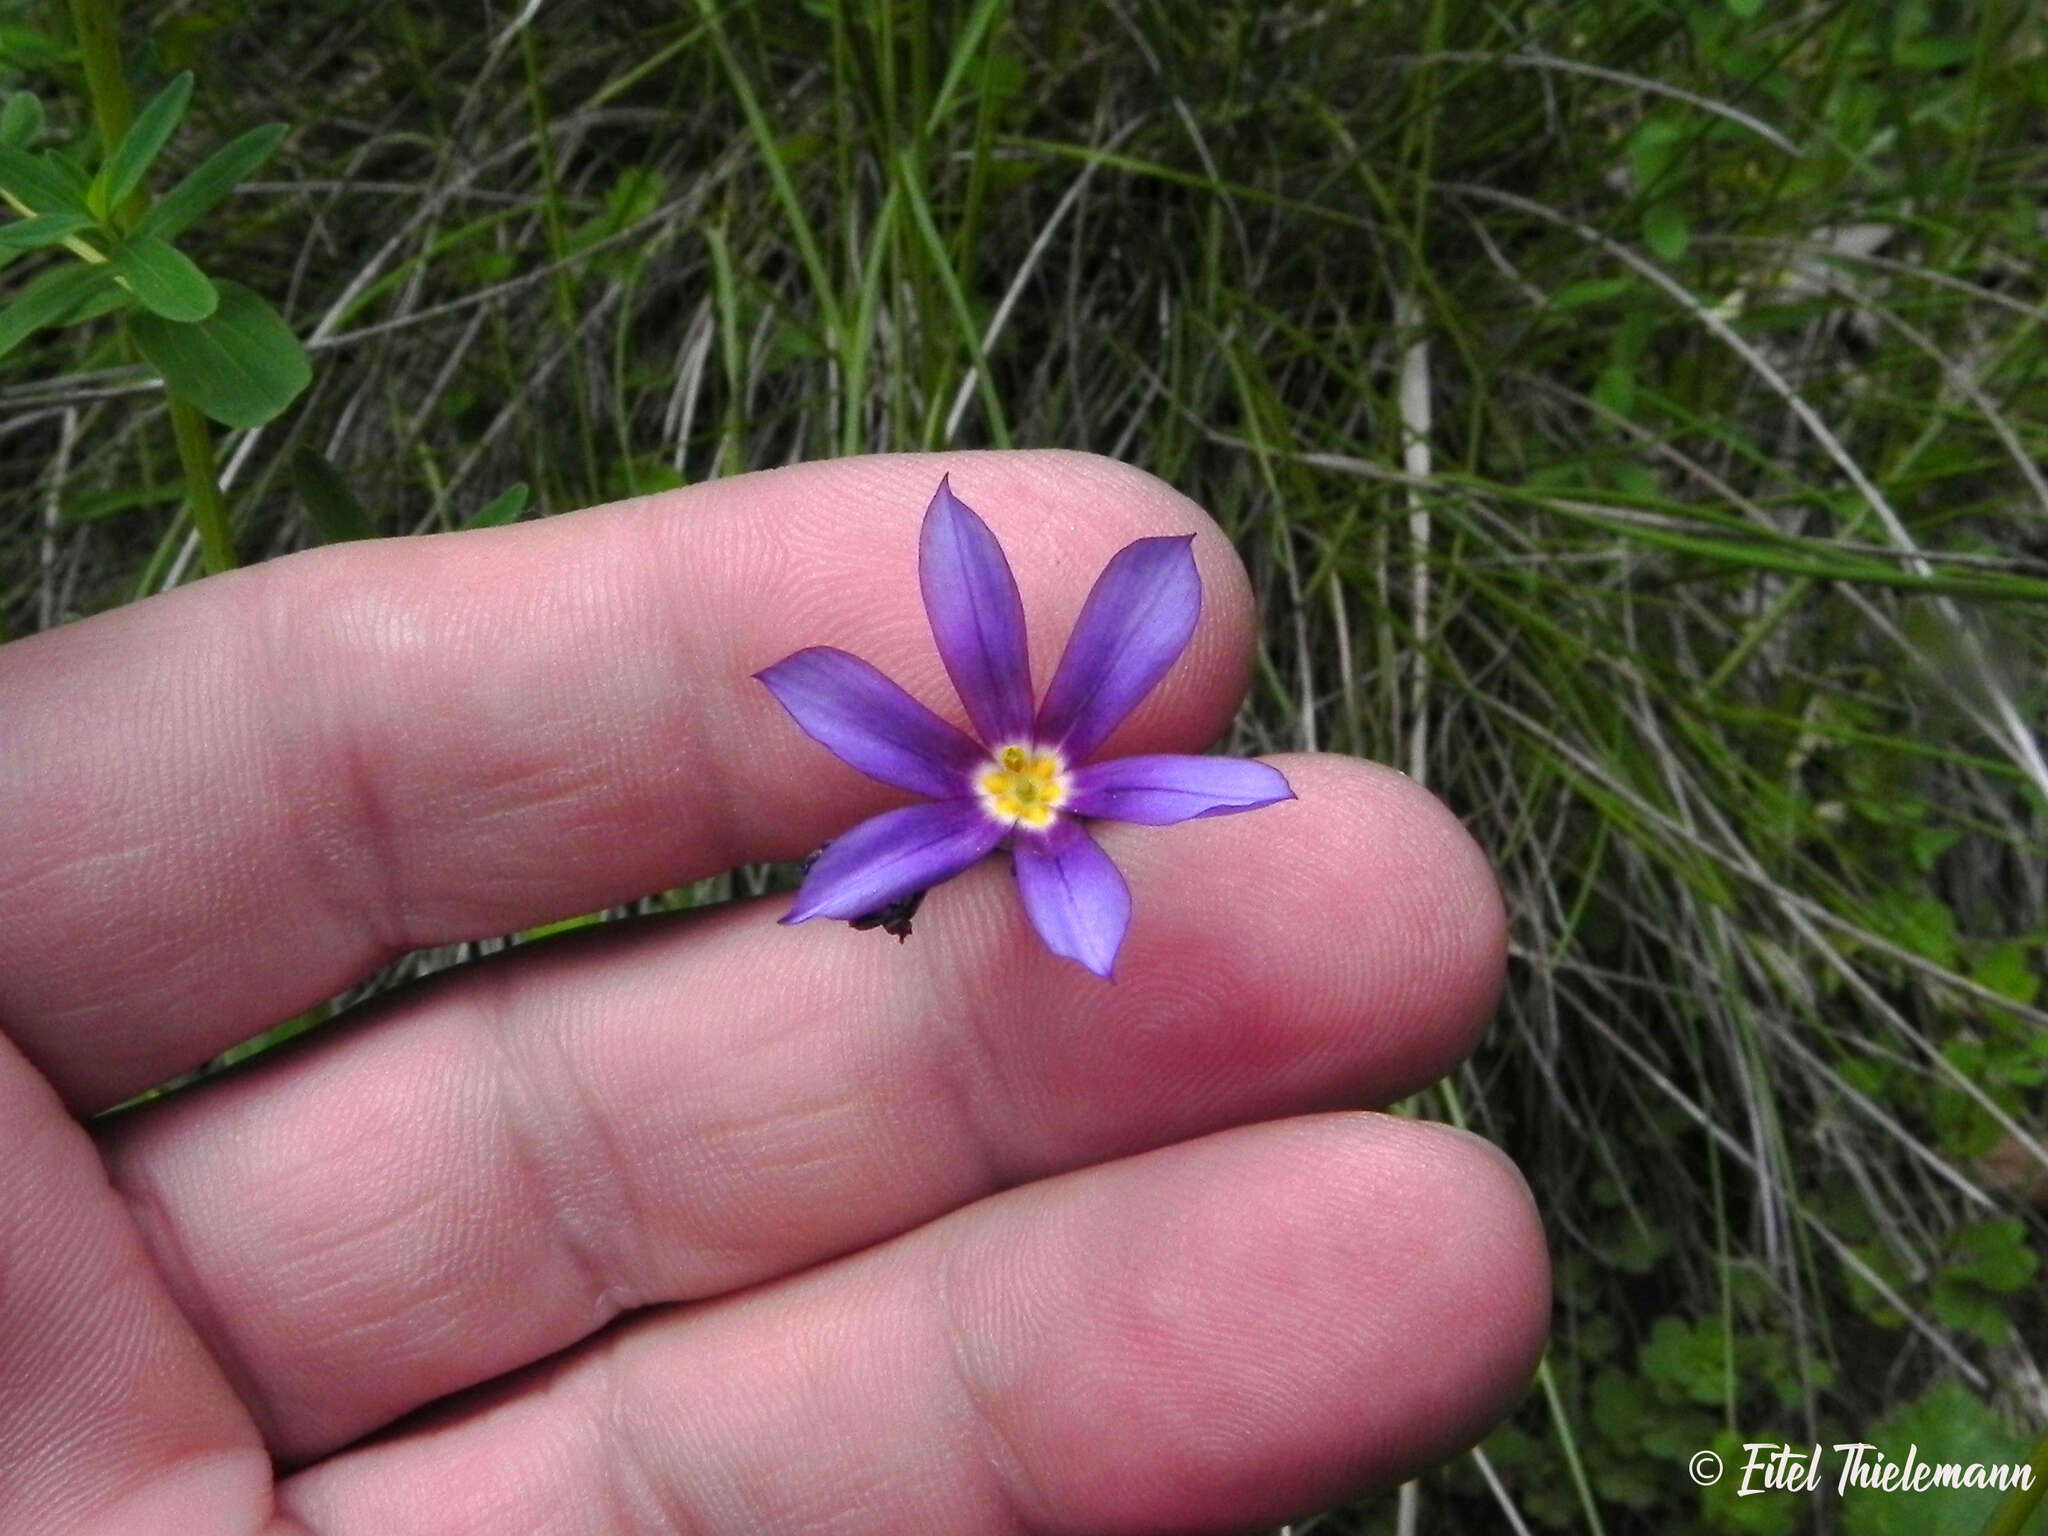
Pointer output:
1024, 786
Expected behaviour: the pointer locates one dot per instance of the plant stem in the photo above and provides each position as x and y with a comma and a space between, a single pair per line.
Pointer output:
202, 489
97, 24
99, 51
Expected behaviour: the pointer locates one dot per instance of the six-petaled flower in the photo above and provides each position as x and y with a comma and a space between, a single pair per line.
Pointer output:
1029, 780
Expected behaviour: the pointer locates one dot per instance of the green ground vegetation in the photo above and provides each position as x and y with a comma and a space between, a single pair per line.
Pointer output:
1631, 412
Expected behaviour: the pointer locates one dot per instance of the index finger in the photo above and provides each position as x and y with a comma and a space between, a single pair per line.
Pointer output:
220, 807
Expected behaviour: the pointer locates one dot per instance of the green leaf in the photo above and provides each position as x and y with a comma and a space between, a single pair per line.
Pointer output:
1927, 54
1616, 388
2006, 970
104, 302
163, 278
70, 175
143, 142
1948, 1425
241, 365
336, 512
1920, 922
1760, 1512
1745, 10
44, 229
49, 298
95, 505
1598, 290
1651, 149
27, 48
21, 120
215, 176
1691, 1359
1995, 1255
504, 507
30, 179
1665, 231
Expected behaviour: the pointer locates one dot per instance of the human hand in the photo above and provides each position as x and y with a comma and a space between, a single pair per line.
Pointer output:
947, 1236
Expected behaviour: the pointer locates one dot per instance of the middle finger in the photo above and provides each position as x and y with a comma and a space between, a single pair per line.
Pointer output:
496, 1165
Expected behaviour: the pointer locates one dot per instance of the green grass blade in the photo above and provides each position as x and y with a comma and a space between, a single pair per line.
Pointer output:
775, 163
956, 301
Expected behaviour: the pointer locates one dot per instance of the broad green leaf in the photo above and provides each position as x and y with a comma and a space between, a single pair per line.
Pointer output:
1947, 1425
336, 512
21, 120
31, 180
143, 142
504, 507
42, 230
1745, 9
241, 365
216, 176
163, 279
51, 296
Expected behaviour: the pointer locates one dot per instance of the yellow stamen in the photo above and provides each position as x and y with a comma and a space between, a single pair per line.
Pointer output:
1024, 786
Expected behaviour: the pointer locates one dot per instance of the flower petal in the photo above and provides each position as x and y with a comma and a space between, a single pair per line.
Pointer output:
1135, 624
1073, 894
977, 618
889, 856
1159, 790
863, 719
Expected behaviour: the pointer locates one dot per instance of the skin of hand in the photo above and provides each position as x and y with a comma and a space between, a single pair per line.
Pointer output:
705, 1224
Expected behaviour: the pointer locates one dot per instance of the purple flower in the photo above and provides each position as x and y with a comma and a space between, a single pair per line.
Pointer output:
1027, 780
